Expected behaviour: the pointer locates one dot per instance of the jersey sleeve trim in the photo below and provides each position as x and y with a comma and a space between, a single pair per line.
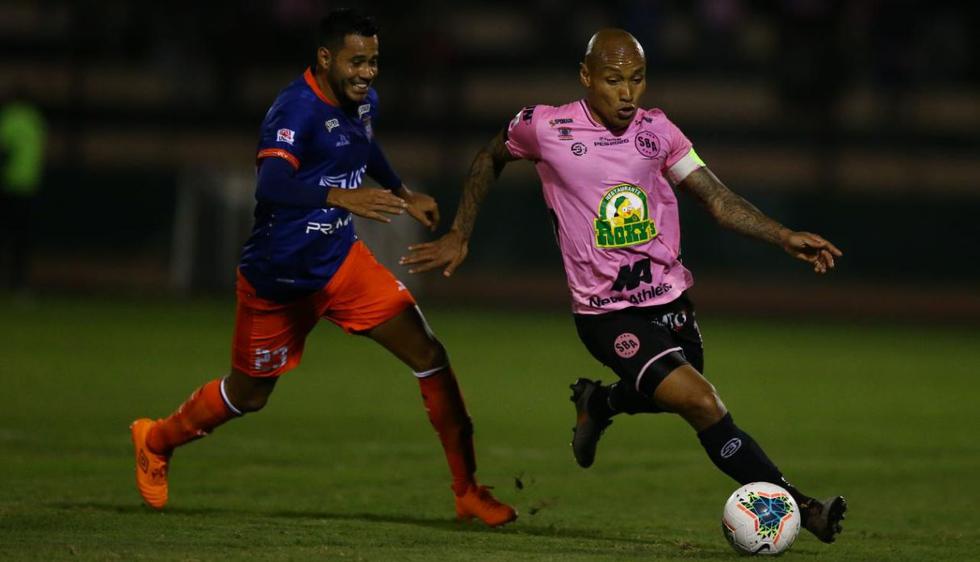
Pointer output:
311, 82
683, 167
278, 153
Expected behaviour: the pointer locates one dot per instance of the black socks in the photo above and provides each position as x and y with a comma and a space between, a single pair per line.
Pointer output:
622, 398
732, 450
736, 454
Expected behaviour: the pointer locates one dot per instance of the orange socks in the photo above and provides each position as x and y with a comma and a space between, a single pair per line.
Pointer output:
195, 418
447, 412
206, 409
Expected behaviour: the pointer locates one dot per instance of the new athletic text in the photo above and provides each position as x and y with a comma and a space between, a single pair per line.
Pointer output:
634, 298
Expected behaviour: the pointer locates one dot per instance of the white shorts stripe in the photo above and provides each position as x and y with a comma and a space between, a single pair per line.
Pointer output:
650, 362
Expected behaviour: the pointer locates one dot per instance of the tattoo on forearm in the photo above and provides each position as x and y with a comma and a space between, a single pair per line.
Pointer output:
731, 210
484, 170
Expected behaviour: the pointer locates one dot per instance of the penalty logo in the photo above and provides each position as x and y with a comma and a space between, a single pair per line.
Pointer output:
623, 218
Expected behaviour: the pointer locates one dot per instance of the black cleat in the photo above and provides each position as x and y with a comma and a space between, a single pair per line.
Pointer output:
588, 427
823, 518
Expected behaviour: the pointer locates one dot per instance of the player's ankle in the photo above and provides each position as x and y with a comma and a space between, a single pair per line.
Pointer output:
600, 405
460, 487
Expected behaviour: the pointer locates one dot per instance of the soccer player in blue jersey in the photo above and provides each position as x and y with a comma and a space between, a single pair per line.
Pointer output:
303, 262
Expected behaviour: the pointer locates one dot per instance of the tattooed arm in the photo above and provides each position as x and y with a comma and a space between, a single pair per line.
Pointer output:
735, 213
452, 248
484, 170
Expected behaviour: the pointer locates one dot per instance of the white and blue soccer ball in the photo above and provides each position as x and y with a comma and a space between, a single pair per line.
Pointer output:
760, 518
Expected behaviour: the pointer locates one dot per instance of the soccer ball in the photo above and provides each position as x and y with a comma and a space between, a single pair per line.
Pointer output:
760, 518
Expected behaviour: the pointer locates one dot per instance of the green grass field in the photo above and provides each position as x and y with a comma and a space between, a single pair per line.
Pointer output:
342, 464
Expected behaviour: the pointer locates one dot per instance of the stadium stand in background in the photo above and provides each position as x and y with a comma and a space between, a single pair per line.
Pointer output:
862, 115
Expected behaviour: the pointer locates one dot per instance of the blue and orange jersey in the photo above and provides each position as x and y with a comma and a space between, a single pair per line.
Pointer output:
298, 243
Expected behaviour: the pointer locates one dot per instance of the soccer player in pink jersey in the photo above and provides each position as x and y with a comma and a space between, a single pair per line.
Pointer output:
608, 171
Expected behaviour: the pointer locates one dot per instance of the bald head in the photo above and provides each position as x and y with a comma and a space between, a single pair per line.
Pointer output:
614, 76
613, 46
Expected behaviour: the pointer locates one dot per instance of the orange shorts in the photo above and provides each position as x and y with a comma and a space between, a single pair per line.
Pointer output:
269, 336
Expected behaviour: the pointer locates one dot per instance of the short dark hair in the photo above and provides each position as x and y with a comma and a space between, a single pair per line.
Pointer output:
340, 23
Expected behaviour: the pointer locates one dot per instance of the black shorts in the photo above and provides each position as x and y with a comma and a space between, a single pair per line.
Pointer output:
642, 345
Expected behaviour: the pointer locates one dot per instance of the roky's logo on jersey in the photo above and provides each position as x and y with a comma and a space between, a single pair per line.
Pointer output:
623, 218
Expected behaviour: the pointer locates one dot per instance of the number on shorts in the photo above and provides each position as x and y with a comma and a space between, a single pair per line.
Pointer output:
266, 360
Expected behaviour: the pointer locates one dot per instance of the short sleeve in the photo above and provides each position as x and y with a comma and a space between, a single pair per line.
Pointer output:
681, 158
285, 133
522, 137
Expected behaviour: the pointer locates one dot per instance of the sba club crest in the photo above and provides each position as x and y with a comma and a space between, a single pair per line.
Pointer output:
623, 218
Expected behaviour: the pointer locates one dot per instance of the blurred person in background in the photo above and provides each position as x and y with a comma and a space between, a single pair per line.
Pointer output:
608, 170
303, 262
22, 139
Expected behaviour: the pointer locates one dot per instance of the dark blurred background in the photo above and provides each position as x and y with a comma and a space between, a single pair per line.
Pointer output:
858, 120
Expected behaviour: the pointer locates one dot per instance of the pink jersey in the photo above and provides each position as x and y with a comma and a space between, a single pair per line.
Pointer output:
616, 213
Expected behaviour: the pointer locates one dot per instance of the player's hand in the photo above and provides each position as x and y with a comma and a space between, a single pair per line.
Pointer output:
422, 208
367, 202
448, 251
812, 249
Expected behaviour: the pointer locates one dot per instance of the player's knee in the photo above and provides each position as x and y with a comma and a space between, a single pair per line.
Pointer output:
431, 356
704, 407
248, 394
253, 401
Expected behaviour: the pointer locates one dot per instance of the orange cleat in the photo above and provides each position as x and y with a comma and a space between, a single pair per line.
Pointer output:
151, 468
478, 502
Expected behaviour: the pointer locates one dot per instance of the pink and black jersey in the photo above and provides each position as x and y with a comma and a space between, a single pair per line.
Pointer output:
616, 214
298, 243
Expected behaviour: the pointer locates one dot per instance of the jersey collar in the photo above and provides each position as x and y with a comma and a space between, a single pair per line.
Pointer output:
618, 132
311, 82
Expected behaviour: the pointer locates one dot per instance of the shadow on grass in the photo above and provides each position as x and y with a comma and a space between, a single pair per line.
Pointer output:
522, 527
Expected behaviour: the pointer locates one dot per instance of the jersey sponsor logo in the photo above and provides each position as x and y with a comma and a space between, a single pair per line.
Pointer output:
331, 124
623, 219
329, 228
646, 144
636, 298
561, 121
630, 276
579, 149
626, 345
731, 447
348, 180
610, 141
285, 135
363, 109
